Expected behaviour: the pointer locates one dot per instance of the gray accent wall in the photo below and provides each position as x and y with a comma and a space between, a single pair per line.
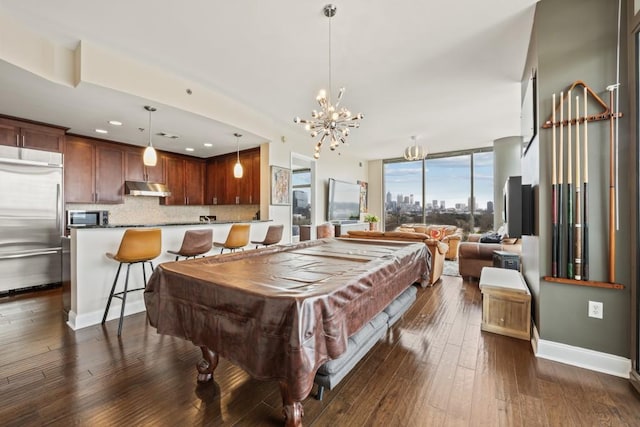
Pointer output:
576, 40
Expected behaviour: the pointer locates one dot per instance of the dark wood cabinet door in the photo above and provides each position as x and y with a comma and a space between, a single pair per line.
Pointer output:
156, 173
194, 182
42, 138
28, 135
255, 178
79, 172
210, 188
231, 183
174, 173
134, 168
109, 174
9, 133
244, 183
216, 181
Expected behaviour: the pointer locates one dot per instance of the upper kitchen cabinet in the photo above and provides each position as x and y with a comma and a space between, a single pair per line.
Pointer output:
249, 184
93, 171
135, 170
185, 180
31, 135
215, 181
225, 189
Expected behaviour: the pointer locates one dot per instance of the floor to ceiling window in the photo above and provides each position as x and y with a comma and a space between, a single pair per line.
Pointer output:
451, 188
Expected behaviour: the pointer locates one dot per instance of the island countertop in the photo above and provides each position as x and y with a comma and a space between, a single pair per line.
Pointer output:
169, 224
92, 272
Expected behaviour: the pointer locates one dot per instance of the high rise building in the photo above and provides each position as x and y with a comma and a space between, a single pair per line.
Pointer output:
388, 196
489, 206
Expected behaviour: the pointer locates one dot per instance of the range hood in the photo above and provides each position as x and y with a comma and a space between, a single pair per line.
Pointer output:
145, 188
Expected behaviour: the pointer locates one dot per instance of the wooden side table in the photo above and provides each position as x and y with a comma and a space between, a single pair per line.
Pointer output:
506, 303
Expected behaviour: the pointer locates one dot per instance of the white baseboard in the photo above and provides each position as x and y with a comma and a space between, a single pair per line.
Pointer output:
580, 357
76, 322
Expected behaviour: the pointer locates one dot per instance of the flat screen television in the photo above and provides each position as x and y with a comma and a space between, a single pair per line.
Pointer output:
344, 201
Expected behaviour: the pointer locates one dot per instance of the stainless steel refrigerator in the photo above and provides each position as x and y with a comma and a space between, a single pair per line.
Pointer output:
31, 218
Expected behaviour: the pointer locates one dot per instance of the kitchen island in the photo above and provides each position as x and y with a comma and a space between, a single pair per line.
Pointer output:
91, 272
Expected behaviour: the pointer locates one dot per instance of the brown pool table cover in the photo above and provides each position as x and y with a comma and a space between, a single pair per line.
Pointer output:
281, 312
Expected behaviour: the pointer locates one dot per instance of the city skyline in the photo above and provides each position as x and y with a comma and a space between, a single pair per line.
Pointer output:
447, 179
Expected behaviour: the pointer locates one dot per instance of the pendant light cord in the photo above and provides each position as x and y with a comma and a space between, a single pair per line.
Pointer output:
330, 83
150, 145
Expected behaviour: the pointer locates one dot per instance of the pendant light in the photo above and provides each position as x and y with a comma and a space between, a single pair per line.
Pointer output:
150, 157
237, 169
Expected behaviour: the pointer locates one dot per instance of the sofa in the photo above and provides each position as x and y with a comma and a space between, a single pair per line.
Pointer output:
473, 255
437, 249
449, 234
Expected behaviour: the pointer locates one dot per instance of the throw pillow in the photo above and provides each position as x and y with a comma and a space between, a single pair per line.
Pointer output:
436, 233
490, 238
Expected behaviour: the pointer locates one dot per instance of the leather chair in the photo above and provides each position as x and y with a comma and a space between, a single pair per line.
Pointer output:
237, 238
273, 236
325, 230
136, 246
194, 243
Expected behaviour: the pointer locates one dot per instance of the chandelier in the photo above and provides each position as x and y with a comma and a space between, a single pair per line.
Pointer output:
332, 122
415, 151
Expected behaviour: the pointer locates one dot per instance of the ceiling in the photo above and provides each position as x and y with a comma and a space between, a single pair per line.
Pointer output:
450, 77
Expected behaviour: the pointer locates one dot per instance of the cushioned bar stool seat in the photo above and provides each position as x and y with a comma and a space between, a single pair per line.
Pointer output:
136, 246
237, 238
274, 235
194, 243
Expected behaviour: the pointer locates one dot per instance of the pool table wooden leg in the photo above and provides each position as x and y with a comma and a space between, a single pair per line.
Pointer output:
292, 409
207, 365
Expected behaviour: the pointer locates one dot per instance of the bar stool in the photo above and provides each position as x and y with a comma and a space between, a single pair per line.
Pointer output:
274, 235
194, 243
136, 246
237, 238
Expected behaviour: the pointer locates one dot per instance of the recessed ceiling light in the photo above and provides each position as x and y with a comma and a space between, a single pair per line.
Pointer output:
101, 131
189, 149
115, 123
208, 144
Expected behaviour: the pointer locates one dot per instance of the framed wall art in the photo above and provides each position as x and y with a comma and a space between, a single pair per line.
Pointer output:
280, 186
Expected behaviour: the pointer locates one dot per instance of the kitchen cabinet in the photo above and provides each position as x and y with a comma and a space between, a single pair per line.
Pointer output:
136, 170
225, 189
249, 184
93, 171
185, 180
30, 135
216, 181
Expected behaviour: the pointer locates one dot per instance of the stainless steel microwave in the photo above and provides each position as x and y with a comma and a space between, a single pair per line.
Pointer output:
87, 218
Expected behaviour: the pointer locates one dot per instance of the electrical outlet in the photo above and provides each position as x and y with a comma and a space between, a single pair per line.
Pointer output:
595, 309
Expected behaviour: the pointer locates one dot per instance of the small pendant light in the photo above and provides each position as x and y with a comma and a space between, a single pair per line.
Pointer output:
150, 157
237, 169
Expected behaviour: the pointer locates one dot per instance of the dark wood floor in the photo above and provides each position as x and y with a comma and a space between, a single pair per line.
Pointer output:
435, 367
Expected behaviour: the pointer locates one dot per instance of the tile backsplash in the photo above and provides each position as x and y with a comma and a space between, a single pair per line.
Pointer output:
148, 210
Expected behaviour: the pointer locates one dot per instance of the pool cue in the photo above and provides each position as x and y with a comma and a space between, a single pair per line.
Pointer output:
585, 197
612, 196
569, 194
561, 264
577, 273
554, 193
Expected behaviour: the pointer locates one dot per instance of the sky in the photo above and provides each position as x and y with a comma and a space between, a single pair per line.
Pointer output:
447, 179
